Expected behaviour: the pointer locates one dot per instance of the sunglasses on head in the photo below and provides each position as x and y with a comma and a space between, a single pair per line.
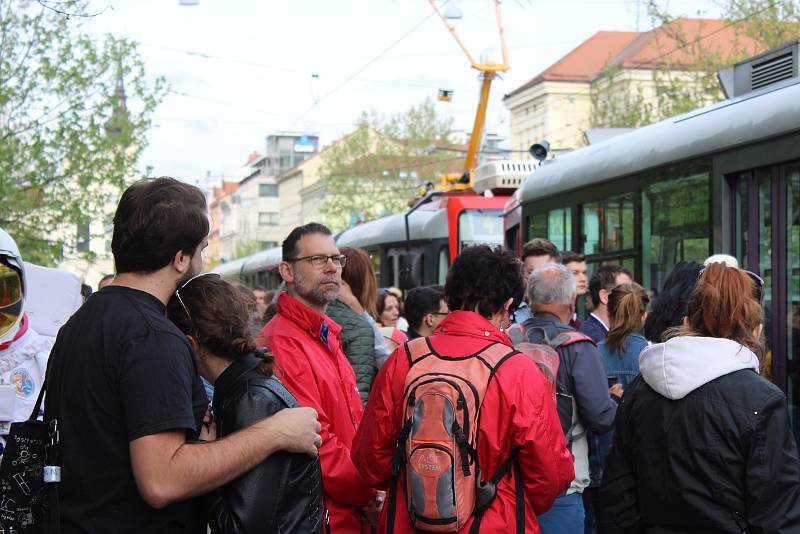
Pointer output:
758, 283
186, 283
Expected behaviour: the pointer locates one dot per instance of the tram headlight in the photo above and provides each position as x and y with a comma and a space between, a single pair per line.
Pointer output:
539, 150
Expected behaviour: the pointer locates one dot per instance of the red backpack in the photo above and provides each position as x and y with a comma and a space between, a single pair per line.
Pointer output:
544, 352
438, 444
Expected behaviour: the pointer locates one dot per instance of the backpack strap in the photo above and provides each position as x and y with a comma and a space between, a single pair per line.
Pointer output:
417, 350
564, 339
511, 463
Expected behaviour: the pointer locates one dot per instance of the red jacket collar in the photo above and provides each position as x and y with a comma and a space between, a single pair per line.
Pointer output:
304, 317
467, 323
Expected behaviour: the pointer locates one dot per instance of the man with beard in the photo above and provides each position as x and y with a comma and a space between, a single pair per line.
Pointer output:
312, 365
124, 392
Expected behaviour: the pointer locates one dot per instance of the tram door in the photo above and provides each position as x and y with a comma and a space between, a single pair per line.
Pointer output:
766, 219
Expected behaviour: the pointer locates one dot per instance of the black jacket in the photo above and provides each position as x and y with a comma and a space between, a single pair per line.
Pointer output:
282, 494
720, 459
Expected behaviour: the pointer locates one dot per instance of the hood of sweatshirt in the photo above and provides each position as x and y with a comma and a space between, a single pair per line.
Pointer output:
676, 368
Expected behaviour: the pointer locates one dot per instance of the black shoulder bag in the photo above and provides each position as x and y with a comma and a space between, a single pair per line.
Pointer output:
29, 475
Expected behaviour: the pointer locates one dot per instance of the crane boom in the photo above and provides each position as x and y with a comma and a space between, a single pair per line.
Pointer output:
488, 70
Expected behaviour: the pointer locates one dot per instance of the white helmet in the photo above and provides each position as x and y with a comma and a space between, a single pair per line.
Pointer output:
12, 286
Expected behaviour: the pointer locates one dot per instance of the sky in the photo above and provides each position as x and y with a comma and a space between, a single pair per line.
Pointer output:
239, 70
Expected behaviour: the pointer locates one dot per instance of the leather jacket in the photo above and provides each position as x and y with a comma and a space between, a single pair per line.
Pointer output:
282, 494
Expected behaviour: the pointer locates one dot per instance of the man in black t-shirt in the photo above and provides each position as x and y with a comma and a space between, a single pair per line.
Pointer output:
124, 386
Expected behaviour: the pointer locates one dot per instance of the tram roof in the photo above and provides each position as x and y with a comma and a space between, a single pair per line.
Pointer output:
422, 224
231, 268
738, 121
263, 259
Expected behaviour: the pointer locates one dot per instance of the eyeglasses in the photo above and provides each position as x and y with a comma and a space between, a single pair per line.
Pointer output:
186, 283
757, 281
320, 261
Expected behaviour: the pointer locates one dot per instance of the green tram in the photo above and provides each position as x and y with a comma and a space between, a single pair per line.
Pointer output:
721, 179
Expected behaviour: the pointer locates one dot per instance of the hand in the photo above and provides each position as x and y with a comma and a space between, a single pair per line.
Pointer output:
616, 390
372, 511
208, 430
295, 430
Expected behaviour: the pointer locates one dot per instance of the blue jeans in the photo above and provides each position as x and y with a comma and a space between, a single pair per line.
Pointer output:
565, 517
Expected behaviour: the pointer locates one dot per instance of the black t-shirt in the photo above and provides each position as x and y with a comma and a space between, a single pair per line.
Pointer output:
120, 370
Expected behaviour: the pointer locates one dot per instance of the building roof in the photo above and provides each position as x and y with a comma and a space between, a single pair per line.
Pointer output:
662, 46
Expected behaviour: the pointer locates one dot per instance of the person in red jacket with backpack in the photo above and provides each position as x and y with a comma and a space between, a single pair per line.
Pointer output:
461, 429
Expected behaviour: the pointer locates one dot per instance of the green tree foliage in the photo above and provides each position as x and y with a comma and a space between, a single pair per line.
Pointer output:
69, 137
380, 166
680, 85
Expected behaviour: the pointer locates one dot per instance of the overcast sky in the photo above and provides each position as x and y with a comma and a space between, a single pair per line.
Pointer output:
242, 69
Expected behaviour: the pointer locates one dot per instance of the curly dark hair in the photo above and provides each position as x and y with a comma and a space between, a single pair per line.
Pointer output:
217, 315
671, 305
482, 279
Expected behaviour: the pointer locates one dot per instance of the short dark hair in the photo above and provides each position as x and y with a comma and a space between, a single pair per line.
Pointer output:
289, 245
156, 218
672, 302
540, 247
605, 277
569, 256
421, 301
483, 279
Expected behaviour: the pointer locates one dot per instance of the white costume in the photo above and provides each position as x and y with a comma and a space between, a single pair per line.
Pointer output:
24, 351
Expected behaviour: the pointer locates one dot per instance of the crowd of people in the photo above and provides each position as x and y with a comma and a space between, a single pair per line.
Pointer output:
185, 402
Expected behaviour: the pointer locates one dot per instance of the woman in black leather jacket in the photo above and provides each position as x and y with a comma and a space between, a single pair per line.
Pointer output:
283, 494
702, 442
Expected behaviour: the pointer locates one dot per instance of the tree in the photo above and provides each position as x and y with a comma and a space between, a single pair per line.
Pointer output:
380, 166
686, 76
73, 115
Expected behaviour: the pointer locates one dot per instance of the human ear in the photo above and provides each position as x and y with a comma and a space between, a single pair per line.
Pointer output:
758, 330
181, 262
286, 272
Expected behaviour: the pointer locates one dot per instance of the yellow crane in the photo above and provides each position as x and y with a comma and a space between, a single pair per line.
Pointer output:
488, 70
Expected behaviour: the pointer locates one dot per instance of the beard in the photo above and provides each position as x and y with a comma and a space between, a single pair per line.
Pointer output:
321, 291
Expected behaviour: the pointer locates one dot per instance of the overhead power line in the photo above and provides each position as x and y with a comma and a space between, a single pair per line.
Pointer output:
360, 70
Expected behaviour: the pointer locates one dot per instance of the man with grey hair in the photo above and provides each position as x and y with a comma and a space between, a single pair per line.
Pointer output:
583, 397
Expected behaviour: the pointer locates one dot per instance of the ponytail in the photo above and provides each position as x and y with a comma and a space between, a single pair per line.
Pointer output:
627, 304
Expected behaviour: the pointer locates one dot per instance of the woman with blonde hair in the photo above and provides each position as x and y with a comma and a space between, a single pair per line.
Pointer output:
703, 443
627, 311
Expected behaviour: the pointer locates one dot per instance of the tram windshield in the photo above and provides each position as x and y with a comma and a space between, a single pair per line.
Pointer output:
480, 227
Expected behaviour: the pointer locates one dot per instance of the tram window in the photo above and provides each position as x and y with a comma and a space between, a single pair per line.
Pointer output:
410, 267
764, 180
538, 226
608, 225
793, 263
559, 228
675, 224
444, 265
375, 260
480, 227
740, 185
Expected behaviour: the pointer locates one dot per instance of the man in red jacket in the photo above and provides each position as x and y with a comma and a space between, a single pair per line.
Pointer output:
313, 367
517, 417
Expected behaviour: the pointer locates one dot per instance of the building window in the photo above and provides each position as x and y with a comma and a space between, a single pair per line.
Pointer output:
266, 245
268, 219
83, 236
268, 190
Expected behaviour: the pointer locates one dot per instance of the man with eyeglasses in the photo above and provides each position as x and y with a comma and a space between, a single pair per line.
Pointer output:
312, 365
124, 388
425, 309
